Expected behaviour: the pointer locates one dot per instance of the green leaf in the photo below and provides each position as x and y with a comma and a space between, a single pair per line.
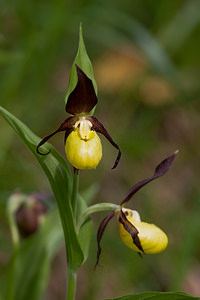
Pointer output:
86, 228
90, 192
158, 296
84, 63
28, 268
59, 176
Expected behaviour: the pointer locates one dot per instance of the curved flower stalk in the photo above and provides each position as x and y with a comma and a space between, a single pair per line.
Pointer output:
82, 145
142, 237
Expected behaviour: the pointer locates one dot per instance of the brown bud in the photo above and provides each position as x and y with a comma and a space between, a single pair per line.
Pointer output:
29, 215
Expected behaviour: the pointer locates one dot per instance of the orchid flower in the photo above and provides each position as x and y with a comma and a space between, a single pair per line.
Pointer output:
82, 145
142, 237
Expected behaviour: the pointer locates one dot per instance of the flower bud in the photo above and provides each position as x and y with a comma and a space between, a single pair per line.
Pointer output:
30, 215
83, 153
152, 239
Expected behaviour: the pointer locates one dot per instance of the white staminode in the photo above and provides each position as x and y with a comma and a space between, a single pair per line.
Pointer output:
132, 214
84, 127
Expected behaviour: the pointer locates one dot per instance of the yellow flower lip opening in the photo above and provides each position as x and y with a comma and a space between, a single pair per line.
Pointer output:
83, 146
152, 238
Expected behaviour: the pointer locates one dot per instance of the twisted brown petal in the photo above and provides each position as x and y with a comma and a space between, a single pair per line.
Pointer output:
98, 126
66, 125
131, 229
100, 232
83, 98
160, 170
67, 133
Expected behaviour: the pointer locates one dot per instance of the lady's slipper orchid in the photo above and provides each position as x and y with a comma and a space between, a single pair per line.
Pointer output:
82, 145
140, 236
152, 238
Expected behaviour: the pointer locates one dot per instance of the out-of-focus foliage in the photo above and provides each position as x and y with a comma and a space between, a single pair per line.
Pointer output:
26, 275
157, 296
147, 68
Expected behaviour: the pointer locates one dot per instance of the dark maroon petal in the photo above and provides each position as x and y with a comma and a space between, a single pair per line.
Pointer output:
100, 232
160, 170
67, 133
66, 125
164, 166
83, 98
98, 126
131, 229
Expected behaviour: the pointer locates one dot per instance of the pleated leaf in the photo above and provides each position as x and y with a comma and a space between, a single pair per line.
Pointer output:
60, 179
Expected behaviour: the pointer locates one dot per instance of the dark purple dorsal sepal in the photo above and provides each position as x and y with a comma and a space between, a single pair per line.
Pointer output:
83, 98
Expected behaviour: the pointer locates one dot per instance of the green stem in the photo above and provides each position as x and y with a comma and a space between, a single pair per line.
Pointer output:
96, 208
11, 292
71, 276
15, 239
75, 191
13, 203
71, 285
14, 231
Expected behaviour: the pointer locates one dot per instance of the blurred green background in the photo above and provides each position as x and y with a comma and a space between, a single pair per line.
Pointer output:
147, 67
